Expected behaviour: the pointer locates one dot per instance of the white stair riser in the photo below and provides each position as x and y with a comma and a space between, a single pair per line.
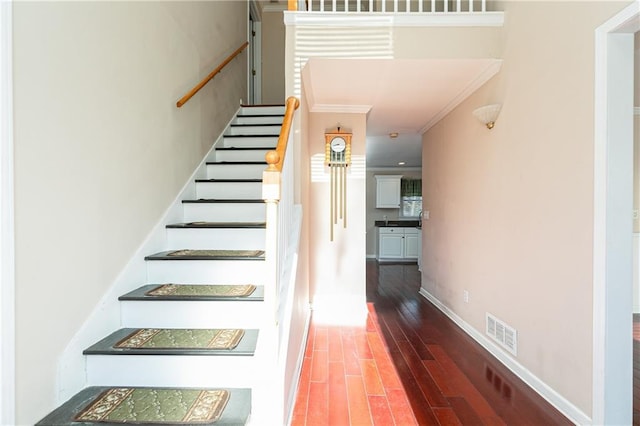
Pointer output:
262, 110
235, 171
259, 119
196, 314
229, 190
206, 271
224, 212
216, 238
171, 371
253, 130
243, 155
250, 142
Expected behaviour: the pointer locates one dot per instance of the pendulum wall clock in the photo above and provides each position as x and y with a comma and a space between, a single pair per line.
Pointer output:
337, 156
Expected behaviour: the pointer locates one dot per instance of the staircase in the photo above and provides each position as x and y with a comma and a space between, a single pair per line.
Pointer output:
165, 360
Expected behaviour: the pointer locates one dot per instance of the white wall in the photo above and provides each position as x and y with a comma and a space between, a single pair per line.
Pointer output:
337, 277
273, 36
512, 208
101, 151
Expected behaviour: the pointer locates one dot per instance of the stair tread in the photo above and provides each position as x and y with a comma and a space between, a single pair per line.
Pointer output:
229, 180
245, 148
259, 115
255, 125
236, 411
245, 347
226, 200
211, 255
218, 225
261, 135
235, 163
140, 294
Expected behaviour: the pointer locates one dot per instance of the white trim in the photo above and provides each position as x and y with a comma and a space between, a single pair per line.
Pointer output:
273, 7
7, 253
491, 70
344, 109
394, 169
612, 288
383, 19
554, 398
254, 11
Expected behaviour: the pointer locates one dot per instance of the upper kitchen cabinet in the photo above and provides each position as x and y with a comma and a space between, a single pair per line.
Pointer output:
388, 191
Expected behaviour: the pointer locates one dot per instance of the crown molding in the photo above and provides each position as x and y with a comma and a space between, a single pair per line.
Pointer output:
489, 72
395, 169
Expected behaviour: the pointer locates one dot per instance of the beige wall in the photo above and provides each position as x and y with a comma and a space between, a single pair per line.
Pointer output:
512, 208
336, 269
101, 151
374, 213
273, 36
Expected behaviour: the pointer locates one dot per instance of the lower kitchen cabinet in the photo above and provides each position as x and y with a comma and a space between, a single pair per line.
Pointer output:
398, 243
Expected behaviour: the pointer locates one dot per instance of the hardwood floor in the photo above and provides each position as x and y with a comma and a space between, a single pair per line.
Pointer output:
636, 369
447, 378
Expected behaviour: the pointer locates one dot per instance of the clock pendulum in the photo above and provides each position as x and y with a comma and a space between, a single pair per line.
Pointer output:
337, 156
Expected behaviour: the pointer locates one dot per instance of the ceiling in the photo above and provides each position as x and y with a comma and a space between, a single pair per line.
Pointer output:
399, 96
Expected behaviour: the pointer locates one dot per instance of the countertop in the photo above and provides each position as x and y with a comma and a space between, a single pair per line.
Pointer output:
398, 223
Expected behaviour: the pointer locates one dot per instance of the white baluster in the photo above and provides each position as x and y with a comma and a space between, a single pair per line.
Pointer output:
334, 6
408, 6
433, 6
395, 6
420, 6
470, 5
459, 6
484, 5
446, 6
370, 5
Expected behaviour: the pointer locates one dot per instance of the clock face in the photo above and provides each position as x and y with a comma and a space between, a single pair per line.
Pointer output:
338, 144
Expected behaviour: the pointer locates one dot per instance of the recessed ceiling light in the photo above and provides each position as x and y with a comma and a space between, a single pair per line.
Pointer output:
393, 135
402, 163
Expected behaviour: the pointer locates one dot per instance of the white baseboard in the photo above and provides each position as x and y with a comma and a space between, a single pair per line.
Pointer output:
295, 381
572, 412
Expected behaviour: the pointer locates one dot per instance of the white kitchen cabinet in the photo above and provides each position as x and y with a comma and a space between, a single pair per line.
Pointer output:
388, 191
398, 243
391, 243
411, 243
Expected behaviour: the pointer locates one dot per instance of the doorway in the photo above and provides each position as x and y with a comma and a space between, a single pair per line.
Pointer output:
613, 203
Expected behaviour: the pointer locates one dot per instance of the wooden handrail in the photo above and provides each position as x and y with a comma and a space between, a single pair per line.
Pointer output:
213, 73
276, 158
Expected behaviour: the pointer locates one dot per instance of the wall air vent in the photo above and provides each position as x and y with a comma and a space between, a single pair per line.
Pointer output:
506, 336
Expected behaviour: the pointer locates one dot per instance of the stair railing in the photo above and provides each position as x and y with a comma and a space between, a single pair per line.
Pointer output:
396, 6
212, 74
277, 192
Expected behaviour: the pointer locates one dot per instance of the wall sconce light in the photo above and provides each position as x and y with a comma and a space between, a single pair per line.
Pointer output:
488, 114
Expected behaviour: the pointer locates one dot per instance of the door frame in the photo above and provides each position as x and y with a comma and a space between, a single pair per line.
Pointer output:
254, 81
613, 204
7, 265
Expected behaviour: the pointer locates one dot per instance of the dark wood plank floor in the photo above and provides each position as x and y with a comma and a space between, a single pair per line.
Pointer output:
449, 378
636, 369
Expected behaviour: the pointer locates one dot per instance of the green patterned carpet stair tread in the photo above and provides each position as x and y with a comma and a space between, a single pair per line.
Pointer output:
204, 292
153, 406
157, 341
188, 254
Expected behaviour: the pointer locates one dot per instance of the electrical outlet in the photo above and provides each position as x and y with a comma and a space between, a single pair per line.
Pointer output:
425, 215
635, 214
465, 296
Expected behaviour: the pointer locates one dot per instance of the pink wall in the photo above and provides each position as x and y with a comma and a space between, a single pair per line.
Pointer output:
512, 208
